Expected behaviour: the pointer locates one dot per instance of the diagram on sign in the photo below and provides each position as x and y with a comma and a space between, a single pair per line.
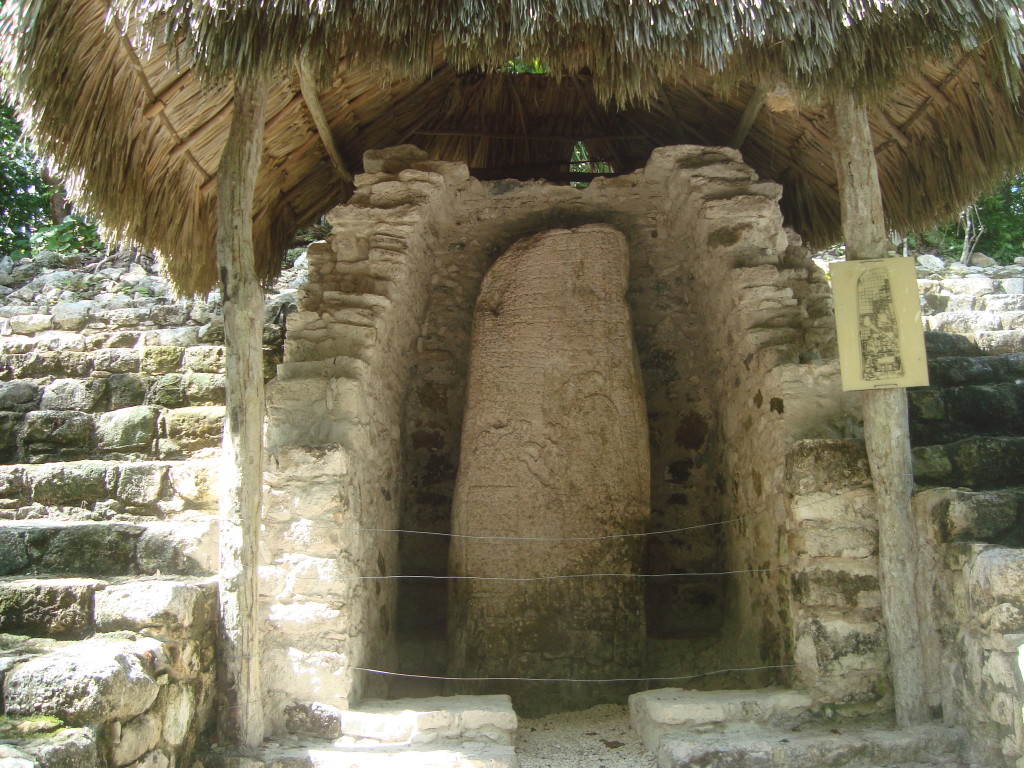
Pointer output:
878, 324
878, 327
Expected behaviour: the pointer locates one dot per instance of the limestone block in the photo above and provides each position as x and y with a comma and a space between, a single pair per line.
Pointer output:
10, 757
827, 465
60, 608
127, 429
305, 617
181, 547
194, 481
318, 538
19, 396
931, 262
313, 719
142, 483
157, 758
138, 736
975, 285
168, 391
72, 394
425, 719
69, 433
815, 538
842, 645
13, 552
172, 314
174, 337
72, 482
301, 575
179, 704
12, 482
196, 426
143, 604
205, 388
657, 712
126, 390
204, 359
31, 323
128, 317
95, 681
160, 359
997, 576
1006, 303
72, 315
964, 322
1001, 342
84, 549
321, 675
555, 439
116, 360
837, 584
1014, 285
69, 748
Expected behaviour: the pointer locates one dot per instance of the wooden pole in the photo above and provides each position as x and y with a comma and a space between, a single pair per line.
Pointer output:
242, 464
886, 429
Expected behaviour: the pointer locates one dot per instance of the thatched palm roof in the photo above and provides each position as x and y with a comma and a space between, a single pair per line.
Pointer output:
131, 99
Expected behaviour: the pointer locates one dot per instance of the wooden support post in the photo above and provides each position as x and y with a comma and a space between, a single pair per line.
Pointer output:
886, 430
242, 464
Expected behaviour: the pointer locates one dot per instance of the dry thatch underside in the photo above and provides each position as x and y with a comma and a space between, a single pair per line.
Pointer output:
141, 134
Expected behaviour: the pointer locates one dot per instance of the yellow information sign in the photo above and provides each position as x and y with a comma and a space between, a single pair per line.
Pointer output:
878, 323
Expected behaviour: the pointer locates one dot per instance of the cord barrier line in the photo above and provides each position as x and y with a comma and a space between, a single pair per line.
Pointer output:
549, 538
570, 679
567, 576
335, 527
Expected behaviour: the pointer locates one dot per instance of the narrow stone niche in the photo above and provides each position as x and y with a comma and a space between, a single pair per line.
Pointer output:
554, 461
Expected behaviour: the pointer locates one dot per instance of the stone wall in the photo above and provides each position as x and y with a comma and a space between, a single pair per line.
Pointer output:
111, 404
137, 694
724, 304
335, 438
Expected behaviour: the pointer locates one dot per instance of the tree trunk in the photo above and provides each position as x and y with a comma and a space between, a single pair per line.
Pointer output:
886, 430
242, 464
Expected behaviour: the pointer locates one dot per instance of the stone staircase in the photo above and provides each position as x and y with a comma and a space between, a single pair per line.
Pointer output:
433, 732
775, 728
111, 409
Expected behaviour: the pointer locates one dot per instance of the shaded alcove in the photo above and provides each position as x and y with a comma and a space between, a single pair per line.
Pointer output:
681, 291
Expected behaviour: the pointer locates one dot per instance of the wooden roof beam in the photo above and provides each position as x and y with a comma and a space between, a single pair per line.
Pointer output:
307, 84
749, 115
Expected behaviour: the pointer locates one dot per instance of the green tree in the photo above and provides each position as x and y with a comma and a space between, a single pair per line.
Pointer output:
999, 217
24, 197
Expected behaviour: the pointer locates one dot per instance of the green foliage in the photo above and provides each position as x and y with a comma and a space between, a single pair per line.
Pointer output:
73, 235
523, 66
25, 223
1002, 215
24, 198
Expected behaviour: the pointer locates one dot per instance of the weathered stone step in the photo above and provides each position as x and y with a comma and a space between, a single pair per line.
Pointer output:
993, 517
812, 747
187, 546
474, 718
120, 698
75, 608
137, 432
107, 489
958, 370
666, 710
939, 344
976, 462
431, 732
439, 754
946, 414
